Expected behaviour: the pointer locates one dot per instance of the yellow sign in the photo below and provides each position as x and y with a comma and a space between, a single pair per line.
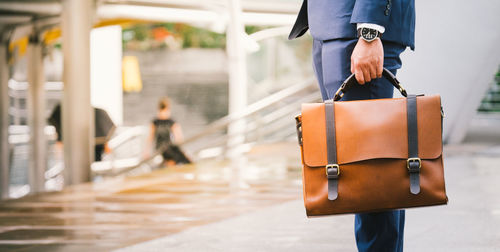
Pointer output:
131, 75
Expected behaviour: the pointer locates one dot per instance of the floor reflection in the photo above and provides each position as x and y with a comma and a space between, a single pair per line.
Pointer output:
121, 212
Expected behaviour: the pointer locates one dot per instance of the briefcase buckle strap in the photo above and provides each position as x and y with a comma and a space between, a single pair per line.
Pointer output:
332, 171
413, 164
332, 174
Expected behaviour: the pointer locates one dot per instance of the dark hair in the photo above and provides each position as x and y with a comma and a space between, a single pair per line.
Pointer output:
164, 103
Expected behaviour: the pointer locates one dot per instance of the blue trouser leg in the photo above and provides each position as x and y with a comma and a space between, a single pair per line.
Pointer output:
381, 231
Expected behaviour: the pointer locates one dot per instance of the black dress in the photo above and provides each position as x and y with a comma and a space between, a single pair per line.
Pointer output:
164, 139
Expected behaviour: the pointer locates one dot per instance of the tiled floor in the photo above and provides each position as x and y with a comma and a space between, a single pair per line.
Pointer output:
253, 204
121, 212
470, 221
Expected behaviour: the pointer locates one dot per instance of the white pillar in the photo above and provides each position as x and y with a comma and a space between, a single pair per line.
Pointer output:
106, 71
237, 69
4, 122
36, 115
77, 113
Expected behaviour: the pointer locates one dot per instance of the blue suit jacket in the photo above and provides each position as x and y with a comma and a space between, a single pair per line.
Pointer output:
333, 19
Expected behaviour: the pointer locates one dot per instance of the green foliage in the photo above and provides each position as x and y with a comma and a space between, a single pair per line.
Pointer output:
141, 32
141, 36
252, 29
491, 101
197, 37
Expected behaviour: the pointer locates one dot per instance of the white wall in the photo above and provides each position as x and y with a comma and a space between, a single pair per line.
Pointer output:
106, 71
457, 54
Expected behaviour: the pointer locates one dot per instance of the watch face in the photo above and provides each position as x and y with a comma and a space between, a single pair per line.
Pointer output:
369, 34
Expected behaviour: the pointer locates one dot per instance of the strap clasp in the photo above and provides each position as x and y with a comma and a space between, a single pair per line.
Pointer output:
332, 171
410, 164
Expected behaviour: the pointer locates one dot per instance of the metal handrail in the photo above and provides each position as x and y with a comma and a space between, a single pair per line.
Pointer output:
225, 121
217, 125
23, 85
266, 120
20, 134
252, 109
125, 136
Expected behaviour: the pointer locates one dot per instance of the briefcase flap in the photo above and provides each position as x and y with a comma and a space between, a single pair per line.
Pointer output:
371, 129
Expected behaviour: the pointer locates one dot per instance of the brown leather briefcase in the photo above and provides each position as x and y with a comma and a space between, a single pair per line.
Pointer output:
371, 155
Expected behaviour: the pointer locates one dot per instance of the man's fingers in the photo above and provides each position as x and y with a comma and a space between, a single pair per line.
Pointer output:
367, 60
366, 74
373, 71
380, 67
359, 76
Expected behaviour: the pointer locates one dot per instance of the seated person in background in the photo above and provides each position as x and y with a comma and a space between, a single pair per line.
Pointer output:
104, 128
167, 135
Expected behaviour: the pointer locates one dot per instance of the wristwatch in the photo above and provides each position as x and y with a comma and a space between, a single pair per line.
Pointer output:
368, 34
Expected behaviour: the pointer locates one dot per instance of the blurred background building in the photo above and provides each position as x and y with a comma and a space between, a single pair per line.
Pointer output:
233, 78
234, 81
226, 65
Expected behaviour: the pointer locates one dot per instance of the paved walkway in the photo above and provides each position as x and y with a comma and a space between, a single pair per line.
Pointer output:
125, 211
250, 205
470, 222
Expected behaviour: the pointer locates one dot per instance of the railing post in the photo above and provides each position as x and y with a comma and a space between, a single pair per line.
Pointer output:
237, 75
4, 122
77, 112
36, 115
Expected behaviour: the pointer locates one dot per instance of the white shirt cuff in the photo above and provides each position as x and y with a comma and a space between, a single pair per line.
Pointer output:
377, 27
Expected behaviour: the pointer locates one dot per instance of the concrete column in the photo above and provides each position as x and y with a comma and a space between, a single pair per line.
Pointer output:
237, 74
77, 113
4, 122
36, 116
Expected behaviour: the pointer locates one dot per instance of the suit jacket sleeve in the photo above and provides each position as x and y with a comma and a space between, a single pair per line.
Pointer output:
371, 11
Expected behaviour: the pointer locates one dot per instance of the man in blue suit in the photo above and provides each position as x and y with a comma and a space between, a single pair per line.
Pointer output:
361, 37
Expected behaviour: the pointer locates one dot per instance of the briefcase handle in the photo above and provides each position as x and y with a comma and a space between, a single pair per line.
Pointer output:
351, 81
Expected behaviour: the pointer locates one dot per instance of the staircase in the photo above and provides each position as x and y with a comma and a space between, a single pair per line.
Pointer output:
268, 120
491, 101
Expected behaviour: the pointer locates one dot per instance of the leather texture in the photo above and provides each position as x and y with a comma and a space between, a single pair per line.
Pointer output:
372, 152
413, 163
332, 170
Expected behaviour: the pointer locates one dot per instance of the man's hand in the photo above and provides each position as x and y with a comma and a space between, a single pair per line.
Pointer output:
367, 60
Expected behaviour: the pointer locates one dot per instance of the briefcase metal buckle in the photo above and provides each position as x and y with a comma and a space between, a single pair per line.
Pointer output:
332, 166
411, 160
